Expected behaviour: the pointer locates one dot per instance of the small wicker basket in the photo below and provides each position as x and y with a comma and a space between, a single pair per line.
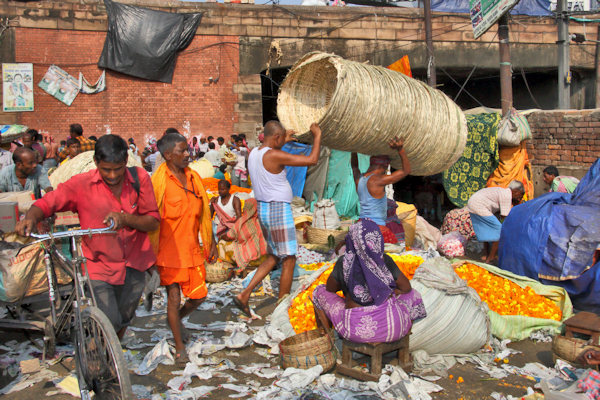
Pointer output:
321, 236
219, 271
307, 350
569, 348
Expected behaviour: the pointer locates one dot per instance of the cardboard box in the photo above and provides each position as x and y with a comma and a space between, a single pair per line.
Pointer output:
67, 218
9, 215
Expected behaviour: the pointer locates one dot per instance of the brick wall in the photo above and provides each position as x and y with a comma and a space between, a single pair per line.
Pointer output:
569, 140
130, 106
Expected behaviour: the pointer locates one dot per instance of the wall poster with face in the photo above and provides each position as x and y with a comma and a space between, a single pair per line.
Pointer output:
17, 87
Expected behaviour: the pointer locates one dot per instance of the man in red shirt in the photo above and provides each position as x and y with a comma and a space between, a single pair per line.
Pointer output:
115, 263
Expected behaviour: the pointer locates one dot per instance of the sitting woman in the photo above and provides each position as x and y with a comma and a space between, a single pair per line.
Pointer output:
379, 304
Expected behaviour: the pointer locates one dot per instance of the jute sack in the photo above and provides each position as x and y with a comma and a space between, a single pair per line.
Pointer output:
513, 129
325, 215
23, 273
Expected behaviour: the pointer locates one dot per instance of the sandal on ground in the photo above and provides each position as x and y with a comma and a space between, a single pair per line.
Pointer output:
244, 308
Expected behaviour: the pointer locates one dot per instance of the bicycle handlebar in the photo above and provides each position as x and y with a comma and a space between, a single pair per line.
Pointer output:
75, 233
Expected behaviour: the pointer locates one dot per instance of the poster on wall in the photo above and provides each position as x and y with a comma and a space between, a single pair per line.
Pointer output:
58, 83
17, 87
485, 13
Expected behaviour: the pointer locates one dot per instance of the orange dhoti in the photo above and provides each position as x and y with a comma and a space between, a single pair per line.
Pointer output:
191, 280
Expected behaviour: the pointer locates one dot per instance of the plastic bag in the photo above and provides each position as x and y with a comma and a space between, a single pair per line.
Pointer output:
452, 244
457, 320
325, 215
513, 129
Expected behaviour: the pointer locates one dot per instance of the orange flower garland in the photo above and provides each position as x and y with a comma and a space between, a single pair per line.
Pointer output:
506, 297
407, 263
301, 311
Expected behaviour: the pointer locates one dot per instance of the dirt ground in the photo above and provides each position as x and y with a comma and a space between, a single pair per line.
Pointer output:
476, 385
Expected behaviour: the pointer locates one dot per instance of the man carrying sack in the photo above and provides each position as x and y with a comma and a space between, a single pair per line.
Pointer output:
273, 192
185, 213
371, 186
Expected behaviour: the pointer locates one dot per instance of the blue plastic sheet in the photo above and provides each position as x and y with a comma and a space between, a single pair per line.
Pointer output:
523, 7
296, 176
553, 239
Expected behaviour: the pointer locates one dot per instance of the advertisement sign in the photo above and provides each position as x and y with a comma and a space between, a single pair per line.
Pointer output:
60, 84
484, 13
17, 87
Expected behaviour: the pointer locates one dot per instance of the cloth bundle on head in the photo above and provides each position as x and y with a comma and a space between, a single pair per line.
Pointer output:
368, 279
382, 160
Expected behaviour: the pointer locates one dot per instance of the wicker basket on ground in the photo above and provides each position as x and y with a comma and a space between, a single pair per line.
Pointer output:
321, 236
307, 350
569, 348
219, 271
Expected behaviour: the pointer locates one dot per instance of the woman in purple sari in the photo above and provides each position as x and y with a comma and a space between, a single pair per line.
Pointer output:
379, 304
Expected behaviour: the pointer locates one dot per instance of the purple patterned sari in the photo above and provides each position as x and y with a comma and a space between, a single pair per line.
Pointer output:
384, 316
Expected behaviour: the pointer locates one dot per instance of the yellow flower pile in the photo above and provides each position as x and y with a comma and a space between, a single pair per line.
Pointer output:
407, 263
301, 311
506, 297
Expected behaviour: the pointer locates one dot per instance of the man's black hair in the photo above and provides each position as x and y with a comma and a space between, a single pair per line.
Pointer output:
63, 142
170, 130
210, 138
220, 139
71, 141
18, 153
94, 138
223, 168
242, 136
211, 146
32, 133
551, 170
225, 182
169, 141
77, 129
111, 148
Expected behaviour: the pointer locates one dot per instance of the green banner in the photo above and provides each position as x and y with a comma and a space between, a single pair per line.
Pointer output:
484, 13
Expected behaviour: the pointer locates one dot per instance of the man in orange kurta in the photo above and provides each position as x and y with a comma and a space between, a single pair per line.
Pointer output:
185, 213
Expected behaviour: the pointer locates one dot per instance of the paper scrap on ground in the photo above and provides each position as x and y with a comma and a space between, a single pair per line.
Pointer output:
160, 354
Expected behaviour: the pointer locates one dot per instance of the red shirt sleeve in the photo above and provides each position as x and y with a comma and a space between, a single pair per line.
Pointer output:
63, 198
147, 201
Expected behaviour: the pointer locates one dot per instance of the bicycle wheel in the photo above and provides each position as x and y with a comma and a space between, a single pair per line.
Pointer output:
101, 367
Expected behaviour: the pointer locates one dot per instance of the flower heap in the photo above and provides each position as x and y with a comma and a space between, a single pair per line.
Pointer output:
407, 263
301, 311
506, 297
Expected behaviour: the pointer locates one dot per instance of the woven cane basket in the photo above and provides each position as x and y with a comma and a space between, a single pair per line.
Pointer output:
569, 348
361, 107
307, 350
321, 236
219, 271
11, 132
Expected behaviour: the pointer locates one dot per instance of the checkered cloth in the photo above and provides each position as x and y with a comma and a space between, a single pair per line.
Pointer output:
590, 384
86, 145
278, 226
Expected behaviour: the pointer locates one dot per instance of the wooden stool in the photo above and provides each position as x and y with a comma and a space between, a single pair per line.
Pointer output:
376, 352
585, 323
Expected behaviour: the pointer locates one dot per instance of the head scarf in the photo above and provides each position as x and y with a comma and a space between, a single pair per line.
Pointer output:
380, 160
368, 279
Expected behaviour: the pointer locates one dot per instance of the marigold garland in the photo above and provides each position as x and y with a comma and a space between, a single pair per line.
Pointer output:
407, 263
301, 311
506, 297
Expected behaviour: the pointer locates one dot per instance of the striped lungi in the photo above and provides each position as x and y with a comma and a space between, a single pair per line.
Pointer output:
278, 227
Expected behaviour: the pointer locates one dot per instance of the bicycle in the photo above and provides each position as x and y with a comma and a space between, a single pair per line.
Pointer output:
99, 361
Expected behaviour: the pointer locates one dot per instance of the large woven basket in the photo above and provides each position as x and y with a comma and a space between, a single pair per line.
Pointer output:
361, 107
321, 236
307, 350
219, 271
8, 133
569, 348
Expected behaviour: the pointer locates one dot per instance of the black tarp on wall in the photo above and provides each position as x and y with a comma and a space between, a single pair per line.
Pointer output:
144, 43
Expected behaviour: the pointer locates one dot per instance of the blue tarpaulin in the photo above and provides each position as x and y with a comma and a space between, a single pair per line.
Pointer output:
296, 176
523, 7
553, 239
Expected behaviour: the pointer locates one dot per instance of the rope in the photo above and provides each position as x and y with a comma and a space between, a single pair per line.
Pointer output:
362, 107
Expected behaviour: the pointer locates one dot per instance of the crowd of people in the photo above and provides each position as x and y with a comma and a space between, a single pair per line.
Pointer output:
166, 223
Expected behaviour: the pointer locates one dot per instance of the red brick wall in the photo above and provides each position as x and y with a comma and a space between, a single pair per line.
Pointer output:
565, 138
132, 107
